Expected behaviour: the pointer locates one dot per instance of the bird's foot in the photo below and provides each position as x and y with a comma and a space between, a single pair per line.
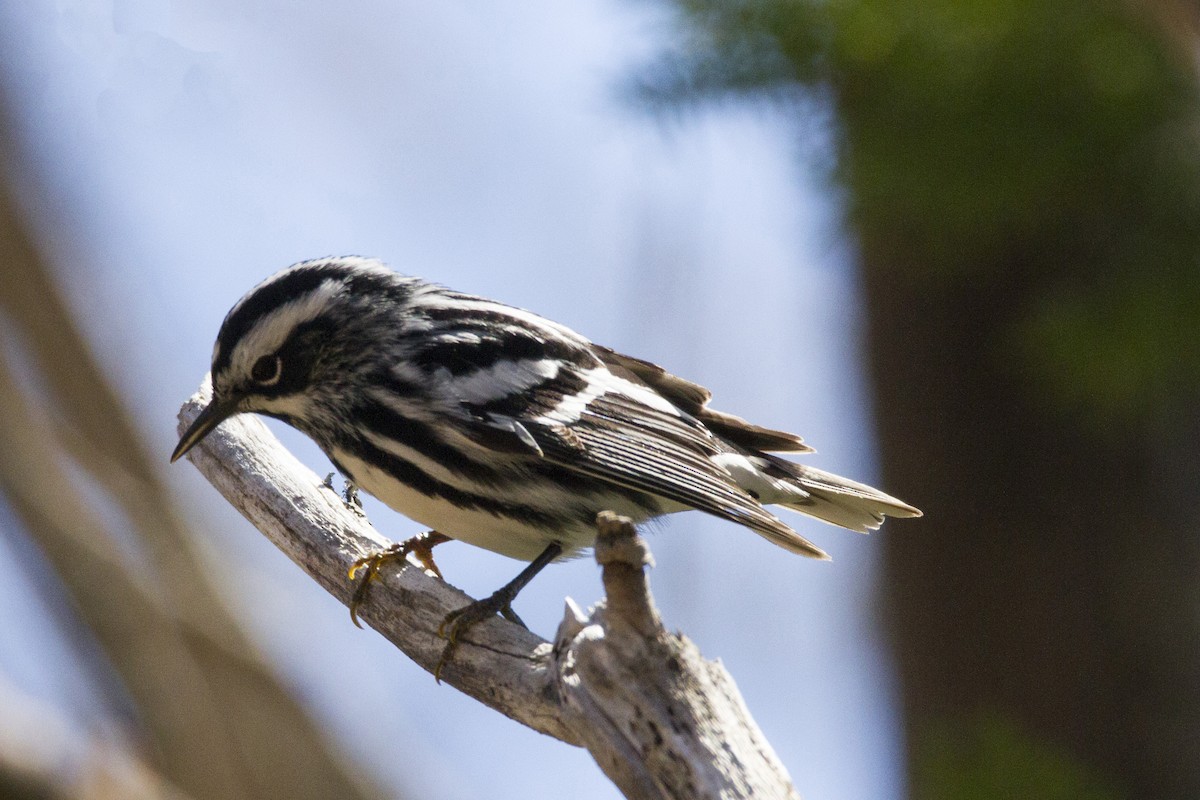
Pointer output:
460, 621
420, 546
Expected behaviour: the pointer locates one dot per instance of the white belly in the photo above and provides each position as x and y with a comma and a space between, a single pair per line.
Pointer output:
499, 534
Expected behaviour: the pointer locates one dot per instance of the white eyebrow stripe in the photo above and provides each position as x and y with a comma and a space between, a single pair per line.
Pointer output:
272, 329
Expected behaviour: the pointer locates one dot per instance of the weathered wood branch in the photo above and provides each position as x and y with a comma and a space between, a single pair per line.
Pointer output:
660, 720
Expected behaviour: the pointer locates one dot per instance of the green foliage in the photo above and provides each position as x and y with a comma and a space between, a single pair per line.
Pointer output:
1043, 153
983, 122
991, 759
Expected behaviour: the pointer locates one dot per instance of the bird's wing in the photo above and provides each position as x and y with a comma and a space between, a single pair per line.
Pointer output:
693, 398
599, 423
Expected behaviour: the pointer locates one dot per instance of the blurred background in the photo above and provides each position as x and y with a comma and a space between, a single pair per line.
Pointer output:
954, 243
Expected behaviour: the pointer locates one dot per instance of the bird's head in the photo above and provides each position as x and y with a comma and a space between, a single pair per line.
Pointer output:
289, 336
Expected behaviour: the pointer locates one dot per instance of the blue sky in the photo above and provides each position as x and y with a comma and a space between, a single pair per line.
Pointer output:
184, 150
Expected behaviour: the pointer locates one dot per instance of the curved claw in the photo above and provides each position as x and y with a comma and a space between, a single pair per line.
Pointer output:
461, 620
448, 629
370, 565
453, 625
500, 602
420, 545
447, 652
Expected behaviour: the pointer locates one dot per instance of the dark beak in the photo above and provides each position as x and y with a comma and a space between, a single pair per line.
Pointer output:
212, 415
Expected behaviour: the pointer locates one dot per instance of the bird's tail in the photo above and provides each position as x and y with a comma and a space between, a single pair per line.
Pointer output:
834, 499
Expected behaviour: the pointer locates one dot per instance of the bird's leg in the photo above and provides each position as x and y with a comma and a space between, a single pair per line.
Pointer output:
420, 545
500, 602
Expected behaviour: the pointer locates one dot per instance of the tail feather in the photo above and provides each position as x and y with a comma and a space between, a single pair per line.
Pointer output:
788, 539
837, 500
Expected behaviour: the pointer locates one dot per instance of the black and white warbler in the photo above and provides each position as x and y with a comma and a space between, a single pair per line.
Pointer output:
500, 428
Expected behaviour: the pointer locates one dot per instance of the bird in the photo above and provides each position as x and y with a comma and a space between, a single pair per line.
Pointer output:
497, 427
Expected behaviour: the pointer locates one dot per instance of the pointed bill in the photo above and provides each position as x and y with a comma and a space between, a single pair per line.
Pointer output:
213, 414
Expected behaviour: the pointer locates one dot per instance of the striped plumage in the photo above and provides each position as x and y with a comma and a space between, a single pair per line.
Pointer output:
496, 426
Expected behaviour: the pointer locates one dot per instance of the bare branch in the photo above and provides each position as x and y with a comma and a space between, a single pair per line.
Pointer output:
660, 720
500, 664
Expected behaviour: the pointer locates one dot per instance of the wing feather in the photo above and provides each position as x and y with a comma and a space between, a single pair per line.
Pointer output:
692, 398
628, 423
628, 442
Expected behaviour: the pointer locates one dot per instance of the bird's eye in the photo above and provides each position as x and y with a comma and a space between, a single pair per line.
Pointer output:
266, 370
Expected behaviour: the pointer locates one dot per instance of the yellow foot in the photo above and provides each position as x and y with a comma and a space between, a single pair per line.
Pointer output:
420, 545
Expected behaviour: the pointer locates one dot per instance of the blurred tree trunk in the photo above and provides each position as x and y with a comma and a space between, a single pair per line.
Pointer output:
1023, 181
1054, 585
1056, 577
